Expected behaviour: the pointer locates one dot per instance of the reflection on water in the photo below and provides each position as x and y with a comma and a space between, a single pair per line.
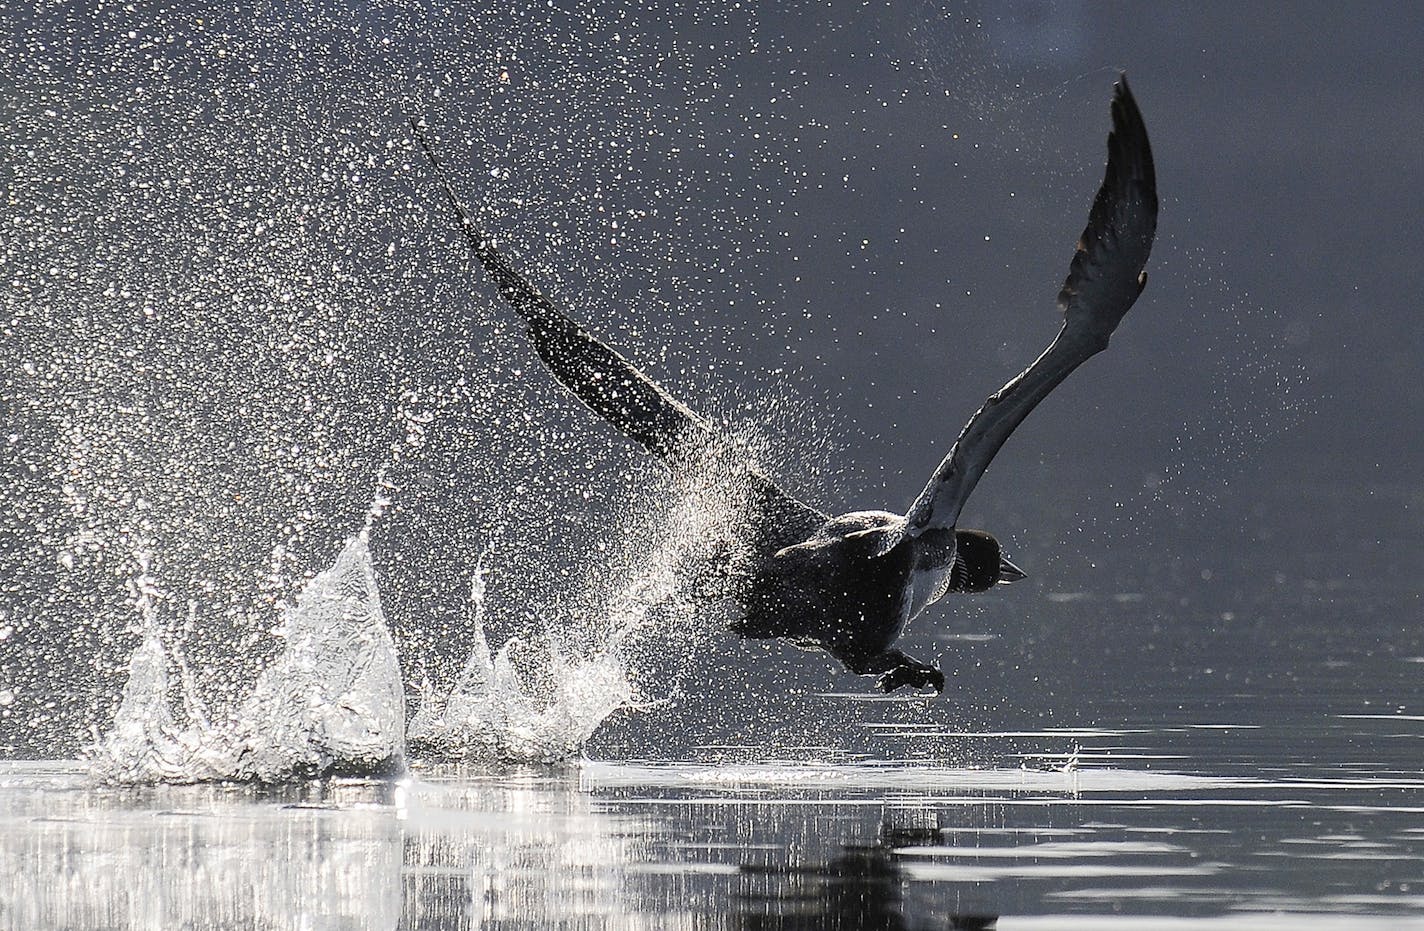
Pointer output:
1157, 775
708, 846
859, 888
1272, 785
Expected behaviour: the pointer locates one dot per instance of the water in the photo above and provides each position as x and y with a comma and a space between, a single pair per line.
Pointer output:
331, 700
234, 302
1255, 783
783, 845
495, 713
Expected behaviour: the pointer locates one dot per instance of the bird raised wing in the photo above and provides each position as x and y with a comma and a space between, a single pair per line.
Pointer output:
629, 400
1103, 282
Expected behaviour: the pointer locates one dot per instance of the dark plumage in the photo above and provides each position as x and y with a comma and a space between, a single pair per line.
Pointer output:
849, 584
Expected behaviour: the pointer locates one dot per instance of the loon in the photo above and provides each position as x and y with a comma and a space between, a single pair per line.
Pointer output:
849, 584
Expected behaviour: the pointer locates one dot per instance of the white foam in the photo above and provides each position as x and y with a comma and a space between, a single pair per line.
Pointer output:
495, 711
332, 699
540, 698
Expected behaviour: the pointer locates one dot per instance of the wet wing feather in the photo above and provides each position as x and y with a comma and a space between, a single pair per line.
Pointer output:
1104, 279
620, 393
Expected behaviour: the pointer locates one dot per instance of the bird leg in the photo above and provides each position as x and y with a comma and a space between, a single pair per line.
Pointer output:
898, 670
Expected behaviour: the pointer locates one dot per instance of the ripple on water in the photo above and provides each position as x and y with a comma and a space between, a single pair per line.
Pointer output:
653, 840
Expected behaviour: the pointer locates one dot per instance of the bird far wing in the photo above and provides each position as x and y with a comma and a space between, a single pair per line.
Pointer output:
609, 384
1103, 282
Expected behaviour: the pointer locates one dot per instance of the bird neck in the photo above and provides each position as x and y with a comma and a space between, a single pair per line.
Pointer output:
934, 550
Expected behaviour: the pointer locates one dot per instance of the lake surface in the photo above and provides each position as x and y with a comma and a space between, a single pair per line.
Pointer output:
1216, 820
683, 846
1236, 751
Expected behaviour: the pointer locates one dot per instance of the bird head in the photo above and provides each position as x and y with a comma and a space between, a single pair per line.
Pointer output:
979, 563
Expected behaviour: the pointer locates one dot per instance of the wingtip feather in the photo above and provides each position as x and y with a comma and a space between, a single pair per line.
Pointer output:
1129, 187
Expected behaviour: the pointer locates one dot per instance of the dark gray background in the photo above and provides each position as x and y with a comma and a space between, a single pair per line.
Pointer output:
846, 226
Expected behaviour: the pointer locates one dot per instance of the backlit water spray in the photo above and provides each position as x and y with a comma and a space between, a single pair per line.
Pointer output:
227, 277
540, 697
332, 700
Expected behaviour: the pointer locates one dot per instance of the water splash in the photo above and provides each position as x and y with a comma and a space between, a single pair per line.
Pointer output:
219, 285
532, 701
332, 701
541, 697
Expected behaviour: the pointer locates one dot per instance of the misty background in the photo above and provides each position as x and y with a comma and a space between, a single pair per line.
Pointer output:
236, 304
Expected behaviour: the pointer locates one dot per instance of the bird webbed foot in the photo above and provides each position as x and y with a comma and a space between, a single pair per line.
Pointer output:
914, 674
898, 670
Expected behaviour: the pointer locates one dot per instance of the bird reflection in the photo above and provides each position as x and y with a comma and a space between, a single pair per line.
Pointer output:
858, 890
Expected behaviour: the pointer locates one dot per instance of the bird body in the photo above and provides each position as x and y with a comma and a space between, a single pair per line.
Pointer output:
850, 584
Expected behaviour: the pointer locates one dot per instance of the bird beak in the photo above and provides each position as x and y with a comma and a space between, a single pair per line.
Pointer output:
1008, 572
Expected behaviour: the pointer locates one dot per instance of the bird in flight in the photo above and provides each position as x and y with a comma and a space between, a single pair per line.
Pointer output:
849, 584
